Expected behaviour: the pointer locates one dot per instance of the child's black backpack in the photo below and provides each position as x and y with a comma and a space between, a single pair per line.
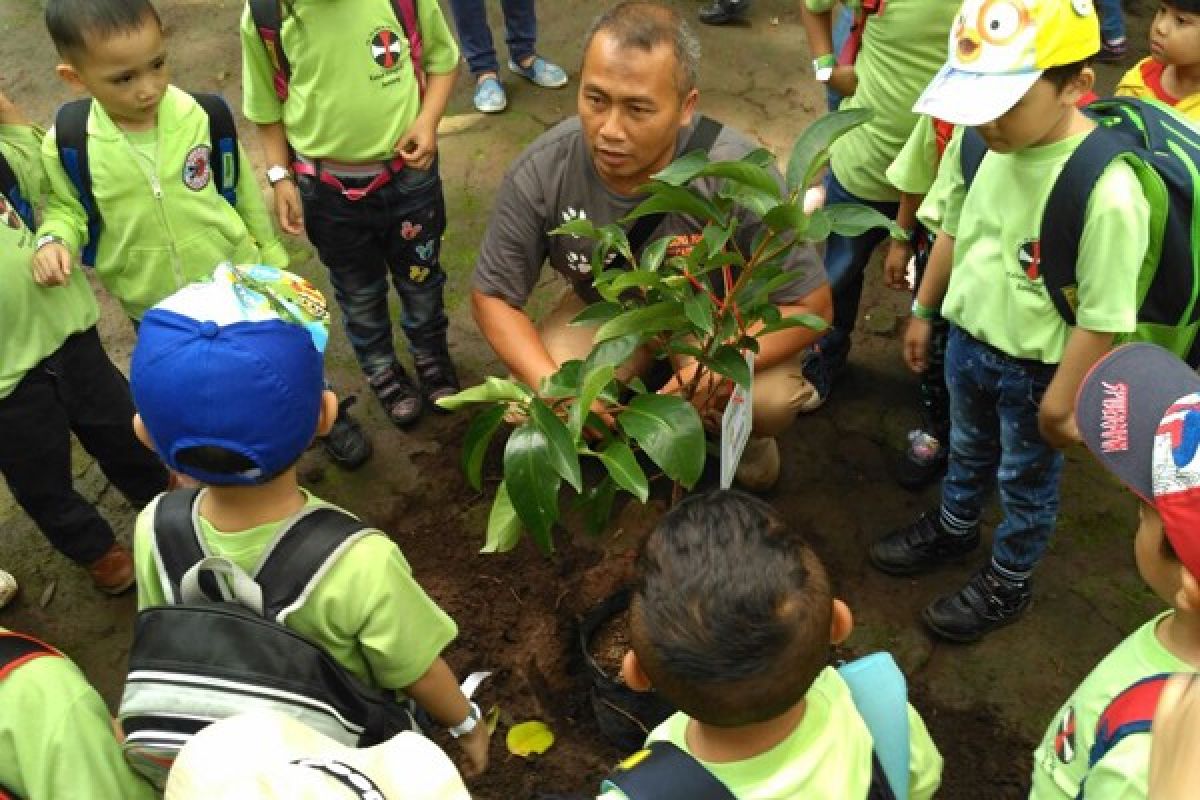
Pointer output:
221, 647
11, 190
70, 132
1163, 149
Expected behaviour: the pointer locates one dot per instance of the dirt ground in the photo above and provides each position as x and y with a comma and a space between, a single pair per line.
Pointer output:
986, 705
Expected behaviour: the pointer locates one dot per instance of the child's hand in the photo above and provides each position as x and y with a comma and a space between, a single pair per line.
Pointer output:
475, 748
419, 143
895, 265
916, 344
52, 265
288, 208
844, 80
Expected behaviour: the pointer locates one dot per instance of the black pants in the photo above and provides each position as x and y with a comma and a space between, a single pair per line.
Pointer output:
75, 389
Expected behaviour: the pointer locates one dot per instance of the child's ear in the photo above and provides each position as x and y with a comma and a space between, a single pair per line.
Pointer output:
633, 675
70, 76
328, 413
143, 435
1079, 86
1187, 598
842, 624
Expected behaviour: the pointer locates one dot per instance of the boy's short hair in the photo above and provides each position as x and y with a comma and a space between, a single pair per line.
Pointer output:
1183, 6
1138, 411
731, 611
70, 22
227, 375
645, 26
1062, 75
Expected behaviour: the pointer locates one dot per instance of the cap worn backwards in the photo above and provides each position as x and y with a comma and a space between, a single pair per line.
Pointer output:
999, 48
234, 363
1139, 413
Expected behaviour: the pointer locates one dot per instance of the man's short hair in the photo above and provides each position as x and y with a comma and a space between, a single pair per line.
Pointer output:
731, 611
70, 22
645, 26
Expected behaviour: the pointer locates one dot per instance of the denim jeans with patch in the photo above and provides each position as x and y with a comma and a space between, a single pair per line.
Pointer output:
395, 231
994, 400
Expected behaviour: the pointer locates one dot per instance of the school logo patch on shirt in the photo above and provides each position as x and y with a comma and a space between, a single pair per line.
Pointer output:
1064, 739
386, 48
1029, 256
197, 167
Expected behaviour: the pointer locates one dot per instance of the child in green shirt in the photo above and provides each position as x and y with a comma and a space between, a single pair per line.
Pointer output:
1138, 411
731, 621
227, 382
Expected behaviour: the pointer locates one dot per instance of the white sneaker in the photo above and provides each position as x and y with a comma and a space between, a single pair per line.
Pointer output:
759, 467
8, 588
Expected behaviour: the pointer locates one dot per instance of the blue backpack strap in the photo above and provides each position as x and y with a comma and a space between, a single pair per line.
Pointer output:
1131, 711
972, 150
880, 694
222, 133
10, 187
70, 133
663, 771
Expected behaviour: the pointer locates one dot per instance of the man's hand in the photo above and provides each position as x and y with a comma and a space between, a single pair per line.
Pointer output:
418, 145
52, 265
475, 749
895, 265
917, 336
844, 80
288, 208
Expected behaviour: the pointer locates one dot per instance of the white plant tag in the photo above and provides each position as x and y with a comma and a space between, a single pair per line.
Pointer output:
735, 426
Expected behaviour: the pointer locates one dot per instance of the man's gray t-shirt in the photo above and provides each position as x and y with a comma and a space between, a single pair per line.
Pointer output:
554, 181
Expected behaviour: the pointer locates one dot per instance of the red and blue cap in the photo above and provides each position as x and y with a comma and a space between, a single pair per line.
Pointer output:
236, 363
1139, 413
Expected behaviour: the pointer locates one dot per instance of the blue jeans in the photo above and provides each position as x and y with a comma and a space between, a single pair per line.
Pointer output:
394, 231
1112, 19
994, 401
520, 26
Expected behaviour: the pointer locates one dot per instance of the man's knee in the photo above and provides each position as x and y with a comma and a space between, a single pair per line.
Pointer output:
780, 394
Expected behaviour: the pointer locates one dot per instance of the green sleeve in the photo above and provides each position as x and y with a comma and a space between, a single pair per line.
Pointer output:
1111, 251
149, 585
253, 211
260, 104
915, 168
63, 215
21, 146
440, 52
925, 762
370, 595
63, 743
946, 196
1123, 772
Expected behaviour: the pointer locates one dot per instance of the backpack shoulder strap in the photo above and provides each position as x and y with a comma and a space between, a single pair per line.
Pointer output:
972, 150
406, 15
303, 551
268, 20
71, 137
222, 133
880, 694
178, 545
10, 187
663, 771
17, 649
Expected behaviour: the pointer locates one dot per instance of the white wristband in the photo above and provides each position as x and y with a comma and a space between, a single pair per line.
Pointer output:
474, 716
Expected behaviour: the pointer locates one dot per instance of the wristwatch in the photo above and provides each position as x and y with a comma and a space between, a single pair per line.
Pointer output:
42, 241
474, 717
823, 67
277, 173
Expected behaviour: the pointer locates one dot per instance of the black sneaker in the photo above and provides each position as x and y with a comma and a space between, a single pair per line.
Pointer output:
346, 444
724, 12
823, 364
437, 376
921, 546
397, 394
987, 602
923, 462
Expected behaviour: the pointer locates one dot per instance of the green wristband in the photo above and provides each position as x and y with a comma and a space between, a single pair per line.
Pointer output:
924, 312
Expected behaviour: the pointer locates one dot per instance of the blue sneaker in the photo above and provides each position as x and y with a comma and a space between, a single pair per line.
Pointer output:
489, 96
541, 72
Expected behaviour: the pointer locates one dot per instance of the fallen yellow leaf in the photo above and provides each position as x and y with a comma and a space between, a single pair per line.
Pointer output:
529, 739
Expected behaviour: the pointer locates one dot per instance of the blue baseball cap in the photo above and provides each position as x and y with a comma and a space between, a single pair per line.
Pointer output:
235, 362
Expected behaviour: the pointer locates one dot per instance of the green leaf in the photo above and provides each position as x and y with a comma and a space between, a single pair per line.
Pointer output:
597, 312
563, 456
596, 504
644, 320
730, 362
504, 526
475, 443
743, 173
754, 200
611, 352
565, 382
652, 254
622, 465
810, 321
637, 386
699, 311
492, 390
819, 227
760, 156
597, 378
579, 228
816, 139
532, 482
682, 170
668, 428
639, 279
676, 200
852, 219
786, 217
715, 237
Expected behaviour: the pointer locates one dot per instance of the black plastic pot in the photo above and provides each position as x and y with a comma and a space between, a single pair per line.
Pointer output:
623, 715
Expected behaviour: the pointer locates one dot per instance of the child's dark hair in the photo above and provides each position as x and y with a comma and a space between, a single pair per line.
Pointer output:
70, 22
731, 612
219, 461
1182, 6
1060, 76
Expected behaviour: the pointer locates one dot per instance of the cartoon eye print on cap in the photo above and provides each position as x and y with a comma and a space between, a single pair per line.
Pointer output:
1001, 20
